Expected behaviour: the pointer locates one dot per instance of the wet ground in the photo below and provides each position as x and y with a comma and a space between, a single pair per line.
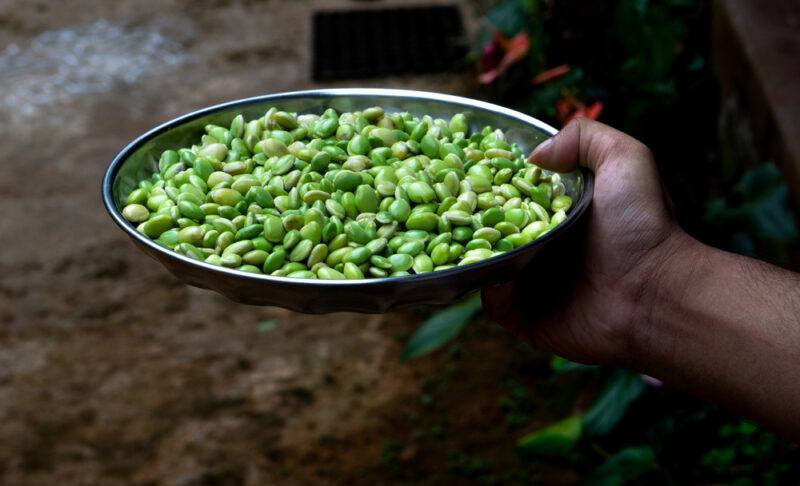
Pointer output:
111, 371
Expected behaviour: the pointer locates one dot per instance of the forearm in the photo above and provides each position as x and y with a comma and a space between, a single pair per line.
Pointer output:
727, 328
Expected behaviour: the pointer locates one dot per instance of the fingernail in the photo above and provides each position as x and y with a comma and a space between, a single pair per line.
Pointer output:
541, 150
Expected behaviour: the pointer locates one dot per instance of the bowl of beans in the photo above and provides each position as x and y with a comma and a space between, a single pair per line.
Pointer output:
363, 200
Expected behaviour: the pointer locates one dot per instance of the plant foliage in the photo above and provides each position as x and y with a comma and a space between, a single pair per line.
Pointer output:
441, 328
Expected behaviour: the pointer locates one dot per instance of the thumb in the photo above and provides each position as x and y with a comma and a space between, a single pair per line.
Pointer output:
589, 144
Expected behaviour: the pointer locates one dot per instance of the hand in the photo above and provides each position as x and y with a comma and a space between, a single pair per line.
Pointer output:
630, 237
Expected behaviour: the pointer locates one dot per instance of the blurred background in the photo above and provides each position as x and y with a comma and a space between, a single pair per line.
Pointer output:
112, 372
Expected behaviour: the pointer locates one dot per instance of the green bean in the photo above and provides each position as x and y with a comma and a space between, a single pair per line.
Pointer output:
224, 240
366, 199
422, 263
378, 272
238, 247
518, 239
230, 260
358, 145
478, 243
191, 234
261, 243
356, 232
249, 232
455, 251
328, 273
273, 229
290, 267
191, 251
226, 196
505, 228
336, 257
318, 254
558, 218
422, 221
561, 203
358, 255
400, 210
462, 233
420, 192
352, 272
210, 238
136, 213
291, 238
275, 260
376, 246
301, 251
401, 261
255, 257
339, 241
312, 231
535, 229
302, 274
413, 247
137, 196
380, 262
156, 225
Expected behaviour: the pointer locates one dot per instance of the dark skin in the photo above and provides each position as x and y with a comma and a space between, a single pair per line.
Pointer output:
645, 295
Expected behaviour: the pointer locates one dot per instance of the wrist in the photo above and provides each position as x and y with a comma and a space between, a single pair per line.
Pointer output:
673, 271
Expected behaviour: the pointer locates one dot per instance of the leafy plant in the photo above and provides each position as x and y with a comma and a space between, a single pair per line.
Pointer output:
557, 439
753, 454
516, 404
755, 219
622, 389
623, 467
441, 328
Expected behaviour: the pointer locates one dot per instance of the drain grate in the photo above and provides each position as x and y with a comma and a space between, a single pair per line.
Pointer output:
351, 44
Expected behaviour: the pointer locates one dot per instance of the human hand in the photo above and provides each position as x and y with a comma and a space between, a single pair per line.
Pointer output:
630, 238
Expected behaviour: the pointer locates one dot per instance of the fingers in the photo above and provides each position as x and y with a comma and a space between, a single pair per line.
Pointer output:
587, 143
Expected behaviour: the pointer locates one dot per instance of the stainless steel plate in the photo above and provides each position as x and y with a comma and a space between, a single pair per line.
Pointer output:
138, 161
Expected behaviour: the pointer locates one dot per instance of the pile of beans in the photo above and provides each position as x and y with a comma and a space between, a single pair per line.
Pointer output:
346, 196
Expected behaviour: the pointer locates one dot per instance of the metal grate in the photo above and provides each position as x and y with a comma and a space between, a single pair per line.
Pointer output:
352, 44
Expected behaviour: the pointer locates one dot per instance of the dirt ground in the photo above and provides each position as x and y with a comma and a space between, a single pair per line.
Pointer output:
112, 372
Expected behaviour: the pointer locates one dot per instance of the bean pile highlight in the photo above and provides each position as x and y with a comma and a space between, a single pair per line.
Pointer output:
346, 196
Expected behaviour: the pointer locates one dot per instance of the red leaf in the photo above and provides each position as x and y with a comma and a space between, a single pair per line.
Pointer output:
515, 49
550, 74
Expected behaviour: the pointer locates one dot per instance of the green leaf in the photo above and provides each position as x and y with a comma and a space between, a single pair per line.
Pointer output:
621, 390
623, 467
268, 325
554, 440
441, 328
562, 365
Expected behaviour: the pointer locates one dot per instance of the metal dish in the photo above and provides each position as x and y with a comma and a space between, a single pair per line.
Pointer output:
138, 160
